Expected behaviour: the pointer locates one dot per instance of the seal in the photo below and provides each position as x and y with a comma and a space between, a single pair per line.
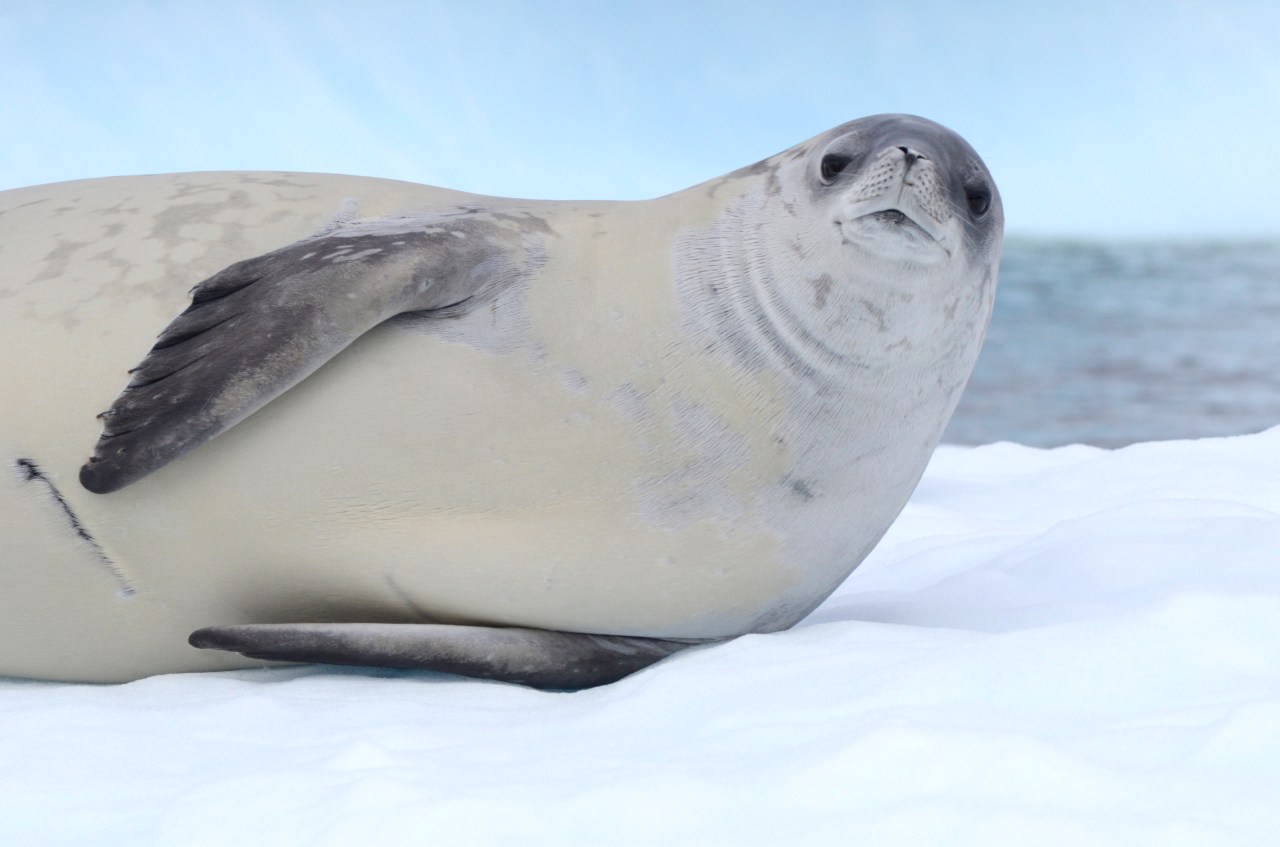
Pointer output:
396, 425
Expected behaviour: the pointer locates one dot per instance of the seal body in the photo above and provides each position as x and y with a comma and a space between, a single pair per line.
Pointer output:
674, 420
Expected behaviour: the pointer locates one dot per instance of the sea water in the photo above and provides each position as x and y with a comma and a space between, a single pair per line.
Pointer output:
1112, 343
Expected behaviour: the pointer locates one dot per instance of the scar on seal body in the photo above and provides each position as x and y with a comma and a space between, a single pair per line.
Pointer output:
29, 471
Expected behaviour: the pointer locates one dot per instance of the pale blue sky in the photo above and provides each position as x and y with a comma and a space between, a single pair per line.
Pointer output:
1114, 119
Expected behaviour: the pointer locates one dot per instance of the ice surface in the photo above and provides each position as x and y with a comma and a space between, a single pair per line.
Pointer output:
1070, 646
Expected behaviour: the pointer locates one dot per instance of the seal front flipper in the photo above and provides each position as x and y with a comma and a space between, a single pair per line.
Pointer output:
534, 657
259, 327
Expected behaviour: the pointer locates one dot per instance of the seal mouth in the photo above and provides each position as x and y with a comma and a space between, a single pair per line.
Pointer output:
895, 233
897, 226
891, 219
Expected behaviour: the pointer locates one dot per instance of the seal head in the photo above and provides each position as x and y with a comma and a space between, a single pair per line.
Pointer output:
910, 189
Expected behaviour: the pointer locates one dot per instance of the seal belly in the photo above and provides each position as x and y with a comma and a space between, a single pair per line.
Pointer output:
418, 479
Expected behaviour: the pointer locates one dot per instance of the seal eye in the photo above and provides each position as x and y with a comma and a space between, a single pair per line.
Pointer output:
979, 199
832, 165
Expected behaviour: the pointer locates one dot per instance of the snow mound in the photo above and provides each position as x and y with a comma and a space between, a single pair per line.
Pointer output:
1068, 646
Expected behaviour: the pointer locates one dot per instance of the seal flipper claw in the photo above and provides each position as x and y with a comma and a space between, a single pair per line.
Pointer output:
260, 326
533, 657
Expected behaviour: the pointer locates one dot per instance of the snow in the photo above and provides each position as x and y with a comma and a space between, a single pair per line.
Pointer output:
1068, 646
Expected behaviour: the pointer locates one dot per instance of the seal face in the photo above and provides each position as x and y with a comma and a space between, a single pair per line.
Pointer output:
568, 438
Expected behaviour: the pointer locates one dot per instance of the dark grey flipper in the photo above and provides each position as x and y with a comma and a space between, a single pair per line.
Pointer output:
534, 657
259, 327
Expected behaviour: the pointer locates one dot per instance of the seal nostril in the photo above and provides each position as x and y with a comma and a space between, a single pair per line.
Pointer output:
912, 156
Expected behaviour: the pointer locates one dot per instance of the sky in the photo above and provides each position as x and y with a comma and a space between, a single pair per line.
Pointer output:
1134, 120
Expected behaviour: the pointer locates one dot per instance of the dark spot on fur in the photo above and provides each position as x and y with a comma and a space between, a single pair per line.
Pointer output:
822, 290
801, 488
524, 221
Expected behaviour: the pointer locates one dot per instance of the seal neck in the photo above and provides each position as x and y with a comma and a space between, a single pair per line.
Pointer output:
775, 294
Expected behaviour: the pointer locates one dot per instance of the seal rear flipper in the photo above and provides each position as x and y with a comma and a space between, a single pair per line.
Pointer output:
261, 326
533, 657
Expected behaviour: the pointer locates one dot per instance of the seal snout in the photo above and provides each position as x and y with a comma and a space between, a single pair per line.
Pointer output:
898, 200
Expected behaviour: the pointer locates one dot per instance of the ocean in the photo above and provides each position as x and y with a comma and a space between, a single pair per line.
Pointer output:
1112, 343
